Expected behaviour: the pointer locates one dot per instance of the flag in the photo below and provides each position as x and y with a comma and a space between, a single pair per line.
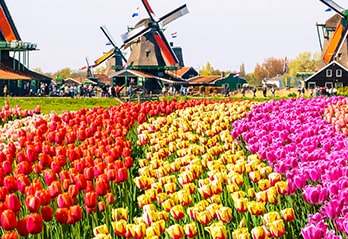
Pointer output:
108, 43
125, 66
236, 75
174, 34
285, 67
328, 10
136, 12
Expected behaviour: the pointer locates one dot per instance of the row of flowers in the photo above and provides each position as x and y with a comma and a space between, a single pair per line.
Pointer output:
68, 169
295, 139
196, 181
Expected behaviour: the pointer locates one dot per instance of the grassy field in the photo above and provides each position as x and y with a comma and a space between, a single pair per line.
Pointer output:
59, 104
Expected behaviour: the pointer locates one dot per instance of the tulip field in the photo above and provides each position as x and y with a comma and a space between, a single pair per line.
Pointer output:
204, 168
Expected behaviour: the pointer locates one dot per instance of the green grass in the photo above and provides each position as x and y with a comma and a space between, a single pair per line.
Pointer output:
58, 104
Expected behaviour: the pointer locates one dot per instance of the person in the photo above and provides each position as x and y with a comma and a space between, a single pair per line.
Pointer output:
182, 90
117, 91
164, 90
264, 91
113, 91
5, 90
243, 91
334, 91
254, 91
303, 91
227, 90
273, 91
299, 91
311, 92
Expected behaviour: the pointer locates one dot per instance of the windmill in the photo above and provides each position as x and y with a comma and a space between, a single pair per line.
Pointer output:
335, 37
149, 46
90, 73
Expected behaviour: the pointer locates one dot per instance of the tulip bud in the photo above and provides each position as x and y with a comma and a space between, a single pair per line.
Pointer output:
190, 230
276, 228
203, 217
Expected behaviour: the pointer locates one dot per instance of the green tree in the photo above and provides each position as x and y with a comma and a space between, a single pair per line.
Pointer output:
63, 73
304, 62
208, 70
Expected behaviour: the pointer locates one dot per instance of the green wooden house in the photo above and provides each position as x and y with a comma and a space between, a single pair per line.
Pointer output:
234, 82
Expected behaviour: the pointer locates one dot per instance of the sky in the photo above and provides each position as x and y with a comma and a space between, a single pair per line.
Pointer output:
225, 33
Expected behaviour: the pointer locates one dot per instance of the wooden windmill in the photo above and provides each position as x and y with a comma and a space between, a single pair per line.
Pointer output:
335, 29
150, 49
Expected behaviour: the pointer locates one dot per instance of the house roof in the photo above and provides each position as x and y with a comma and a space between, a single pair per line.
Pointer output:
204, 79
137, 73
180, 72
327, 66
7, 73
103, 78
80, 80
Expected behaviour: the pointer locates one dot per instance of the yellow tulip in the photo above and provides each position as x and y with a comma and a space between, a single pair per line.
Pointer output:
206, 191
168, 204
282, 187
101, 230
272, 195
215, 199
161, 197
184, 197
256, 208
203, 217
258, 233
175, 231
261, 196
217, 231
274, 178
241, 204
170, 187
119, 227
255, 176
190, 230
139, 230
142, 182
238, 194
241, 233
151, 193
232, 187
212, 209
119, 214
270, 217
163, 215
263, 184
186, 177
251, 193
224, 214
143, 200
190, 187
177, 212
150, 216
288, 214
153, 230
276, 228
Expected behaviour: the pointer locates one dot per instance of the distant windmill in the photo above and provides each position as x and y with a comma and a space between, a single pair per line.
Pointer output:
336, 43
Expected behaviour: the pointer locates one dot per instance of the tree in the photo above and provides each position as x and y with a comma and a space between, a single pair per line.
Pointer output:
270, 68
100, 70
63, 73
208, 70
304, 62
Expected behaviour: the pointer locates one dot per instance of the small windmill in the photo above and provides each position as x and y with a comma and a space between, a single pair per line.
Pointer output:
90, 73
335, 45
150, 47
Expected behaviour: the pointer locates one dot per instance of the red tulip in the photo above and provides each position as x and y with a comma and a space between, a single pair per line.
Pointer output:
3, 193
73, 190
22, 227
10, 183
110, 198
47, 213
44, 196
111, 174
128, 161
64, 200
13, 202
89, 173
34, 223
49, 176
7, 166
101, 206
62, 215
75, 212
80, 181
54, 189
122, 175
33, 203
101, 187
90, 199
8, 220
31, 153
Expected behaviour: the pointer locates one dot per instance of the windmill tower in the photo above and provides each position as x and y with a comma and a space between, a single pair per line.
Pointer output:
335, 30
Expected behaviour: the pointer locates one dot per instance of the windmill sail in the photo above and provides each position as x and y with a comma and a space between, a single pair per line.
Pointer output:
334, 6
179, 12
8, 30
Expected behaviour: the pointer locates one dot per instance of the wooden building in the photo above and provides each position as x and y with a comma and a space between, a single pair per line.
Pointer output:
330, 76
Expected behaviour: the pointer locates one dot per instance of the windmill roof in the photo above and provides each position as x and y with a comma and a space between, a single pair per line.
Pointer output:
204, 79
333, 21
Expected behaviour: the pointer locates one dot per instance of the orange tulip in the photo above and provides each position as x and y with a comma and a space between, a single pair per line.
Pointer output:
258, 233
288, 214
190, 230
177, 212
224, 214
175, 231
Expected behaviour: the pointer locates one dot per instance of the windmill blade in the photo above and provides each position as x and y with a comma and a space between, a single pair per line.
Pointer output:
173, 15
334, 6
108, 35
104, 57
134, 33
165, 48
112, 41
148, 8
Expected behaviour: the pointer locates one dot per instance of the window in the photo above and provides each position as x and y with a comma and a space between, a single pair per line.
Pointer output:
338, 73
311, 85
328, 73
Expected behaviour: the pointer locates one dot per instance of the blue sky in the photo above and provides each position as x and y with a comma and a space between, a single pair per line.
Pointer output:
225, 33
